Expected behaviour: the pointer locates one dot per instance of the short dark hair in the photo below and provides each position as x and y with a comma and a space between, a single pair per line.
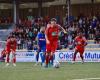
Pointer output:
54, 19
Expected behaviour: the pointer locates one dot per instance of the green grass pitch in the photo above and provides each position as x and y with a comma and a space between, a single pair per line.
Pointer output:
67, 71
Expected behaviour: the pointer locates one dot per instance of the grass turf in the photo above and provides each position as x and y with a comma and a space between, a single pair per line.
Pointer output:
67, 71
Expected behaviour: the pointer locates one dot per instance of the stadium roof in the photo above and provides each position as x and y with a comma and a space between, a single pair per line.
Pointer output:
25, 1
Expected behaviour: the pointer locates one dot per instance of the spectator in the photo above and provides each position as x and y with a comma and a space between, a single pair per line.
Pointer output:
97, 37
27, 29
19, 43
29, 45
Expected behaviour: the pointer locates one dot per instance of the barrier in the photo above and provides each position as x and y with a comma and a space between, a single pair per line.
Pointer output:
62, 56
89, 56
25, 56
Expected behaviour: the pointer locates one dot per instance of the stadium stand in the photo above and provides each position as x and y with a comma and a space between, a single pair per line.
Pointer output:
27, 31
24, 18
29, 24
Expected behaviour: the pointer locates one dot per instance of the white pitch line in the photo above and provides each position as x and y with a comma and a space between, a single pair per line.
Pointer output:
78, 79
88, 79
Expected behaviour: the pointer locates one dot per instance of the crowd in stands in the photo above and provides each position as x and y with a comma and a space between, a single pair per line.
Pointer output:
5, 20
26, 32
27, 29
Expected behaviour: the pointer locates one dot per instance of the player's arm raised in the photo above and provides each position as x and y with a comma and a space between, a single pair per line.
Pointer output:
62, 29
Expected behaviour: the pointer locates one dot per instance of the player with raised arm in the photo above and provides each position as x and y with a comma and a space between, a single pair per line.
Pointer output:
51, 33
11, 48
80, 42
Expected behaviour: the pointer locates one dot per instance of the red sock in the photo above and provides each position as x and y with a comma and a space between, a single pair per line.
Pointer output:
47, 59
14, 60
51, 57
7, 59
81, 57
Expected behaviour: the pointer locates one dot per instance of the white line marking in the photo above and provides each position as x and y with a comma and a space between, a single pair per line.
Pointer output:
88, 79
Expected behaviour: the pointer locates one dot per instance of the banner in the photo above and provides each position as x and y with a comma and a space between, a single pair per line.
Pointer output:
89, 56
24, 56
61, 56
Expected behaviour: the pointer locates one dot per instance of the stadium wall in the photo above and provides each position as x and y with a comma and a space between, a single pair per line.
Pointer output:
62, 56
52, 10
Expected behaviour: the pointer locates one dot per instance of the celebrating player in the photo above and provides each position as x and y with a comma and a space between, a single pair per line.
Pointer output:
41, 46
80, 42
11, 48
52, 32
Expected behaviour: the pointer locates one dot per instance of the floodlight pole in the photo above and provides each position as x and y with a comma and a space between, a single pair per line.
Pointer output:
92, 1
15, 11
68, 3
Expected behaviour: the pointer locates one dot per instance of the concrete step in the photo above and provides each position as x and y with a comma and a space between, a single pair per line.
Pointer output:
93, 46
86, 49
92, 49
90, 41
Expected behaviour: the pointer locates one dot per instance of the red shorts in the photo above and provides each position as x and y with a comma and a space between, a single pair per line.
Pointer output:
52, 47
79, 49
10, 50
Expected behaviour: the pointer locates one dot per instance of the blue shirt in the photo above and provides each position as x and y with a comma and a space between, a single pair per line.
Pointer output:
41, 39
93, 24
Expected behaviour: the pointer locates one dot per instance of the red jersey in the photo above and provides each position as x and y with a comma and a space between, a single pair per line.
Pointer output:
52, 32
80, 41
11, 44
